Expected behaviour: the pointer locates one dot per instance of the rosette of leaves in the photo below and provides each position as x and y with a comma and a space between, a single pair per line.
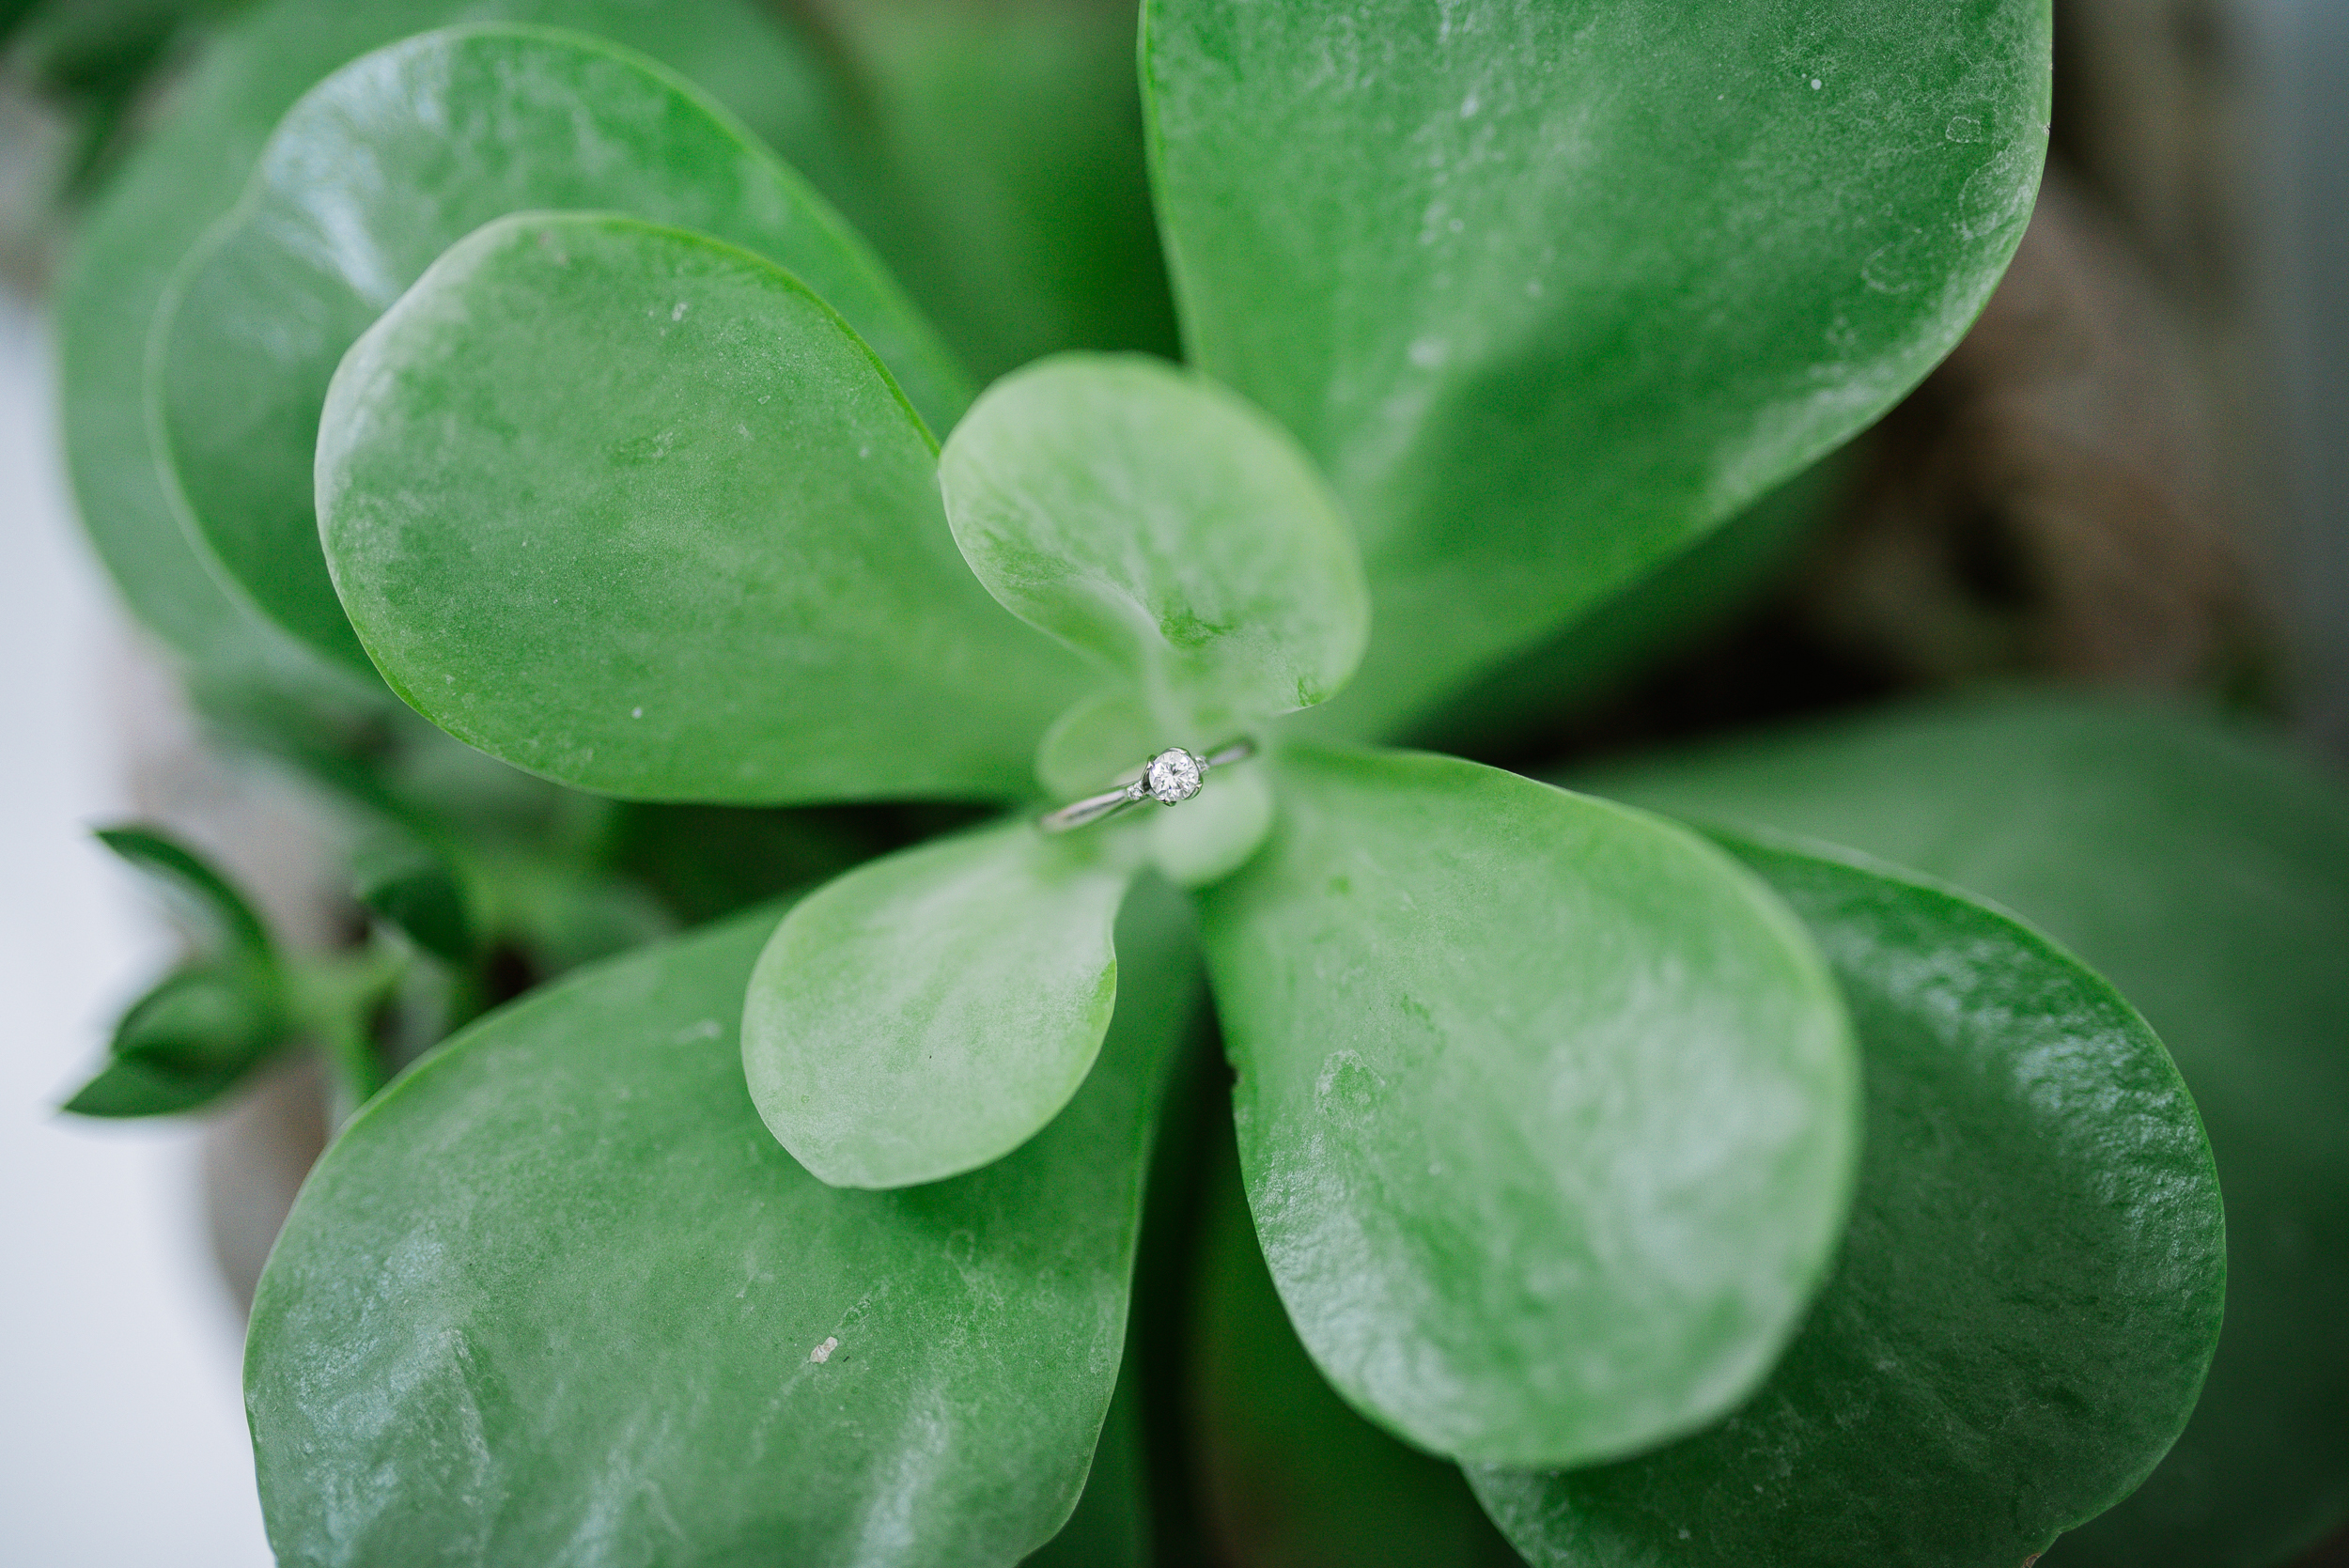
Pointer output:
524, 374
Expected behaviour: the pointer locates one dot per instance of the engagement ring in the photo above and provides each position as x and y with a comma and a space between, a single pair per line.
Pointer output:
1170, 777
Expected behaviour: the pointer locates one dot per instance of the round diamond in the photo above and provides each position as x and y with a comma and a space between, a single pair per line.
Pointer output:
1172, 777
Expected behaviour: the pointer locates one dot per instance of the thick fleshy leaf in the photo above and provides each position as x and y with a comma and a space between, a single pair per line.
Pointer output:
926, 1012
2207, 875
1290, 1477
1550, 290
557, 1295
381, 167
633, 510
2025, 1304
1216, 830
1548, 1108
1075, 757
1111, 1528
190, 169
1148, 518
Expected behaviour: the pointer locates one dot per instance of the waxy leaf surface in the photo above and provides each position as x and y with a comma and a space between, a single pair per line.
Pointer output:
1548, 1108
1111, 1527
927, 1012
190, 169
632, 509
1291, 1478
2023, 1309
381, 167
2206, 874
1146, 517
557, 1295
1550, 290
1212, 834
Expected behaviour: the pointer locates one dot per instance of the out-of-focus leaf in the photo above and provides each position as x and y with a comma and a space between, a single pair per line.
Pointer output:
2024, 1304
199, 894
1688, 599
926, 1012
1016, 207
1551, 290
2206, 874
127, 1087
381, 167
1292, 1478
405, 882
542, 1281
206, 1019
96, 47
189, 1041
13, 15
1548, 1108
1149, 519
704, 862
189, 171
632, 510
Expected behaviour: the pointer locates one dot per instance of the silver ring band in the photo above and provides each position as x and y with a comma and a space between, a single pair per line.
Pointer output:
1170, 777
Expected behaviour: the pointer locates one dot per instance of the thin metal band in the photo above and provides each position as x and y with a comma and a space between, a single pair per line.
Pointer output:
1093, 808
1133, 791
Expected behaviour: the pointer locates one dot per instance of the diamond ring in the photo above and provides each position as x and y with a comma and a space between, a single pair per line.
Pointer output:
1170, 777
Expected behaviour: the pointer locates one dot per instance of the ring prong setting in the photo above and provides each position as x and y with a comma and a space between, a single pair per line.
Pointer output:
1173, 776
1170, 777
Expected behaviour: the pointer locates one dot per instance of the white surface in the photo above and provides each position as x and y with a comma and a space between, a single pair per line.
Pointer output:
122, 1437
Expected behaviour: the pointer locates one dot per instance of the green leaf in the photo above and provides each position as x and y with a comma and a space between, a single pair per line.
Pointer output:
1290, 1477
1105, 740
405, 882
1151, 519
214, 1017
129, 1087
1018, 208
1692, 601
926, 1012
199, 893
2206, 874
632, 510
1551, 290
1217, 830
1111, 1528
558, 1295
190, 170
191, 1039
1103, 736
378, 170
1548, 1108
2024, 1304
708, 861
